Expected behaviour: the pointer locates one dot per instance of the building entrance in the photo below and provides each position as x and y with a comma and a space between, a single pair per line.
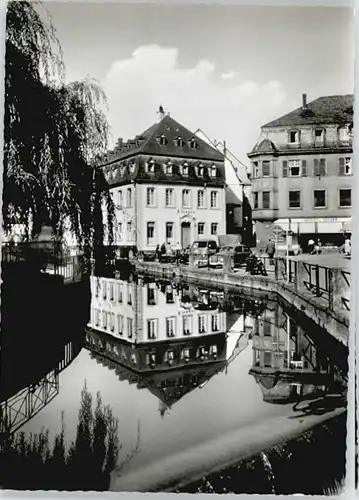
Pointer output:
185, 234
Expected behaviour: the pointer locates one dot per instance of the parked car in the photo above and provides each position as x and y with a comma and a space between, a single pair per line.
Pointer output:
238, 252
202, 250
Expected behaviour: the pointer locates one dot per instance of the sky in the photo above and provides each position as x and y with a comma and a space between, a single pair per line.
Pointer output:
226, 70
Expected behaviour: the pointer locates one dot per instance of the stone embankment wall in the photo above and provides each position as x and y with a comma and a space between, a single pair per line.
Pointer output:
334, 320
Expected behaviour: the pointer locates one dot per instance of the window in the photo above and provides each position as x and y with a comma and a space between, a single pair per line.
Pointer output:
186, 198
119, 198
104, 320
151, 295
111, 291
112, 321
169, 231
132, 167
319, 136
169, 297
256, 169
267, 330
129, 294
255, 200
179, 142
162, 140
129, 328
169, 198
187, 325
193, 144
215, 323
345, 166
344, 134
345, 197
294, 199
265, 168
202, 323
214, 198
150, 167
119, 231
97, 317
169, 168
200, 229
104, 290
150, 233
266, 199
120, 324
185, 169
170, 327
201, 170
152, 329
200, 199
150, 197
213, 172
129, 231
214, 228
267, 359
319, 198
320, 167
294, 137
119, 292
129, 197
294, 168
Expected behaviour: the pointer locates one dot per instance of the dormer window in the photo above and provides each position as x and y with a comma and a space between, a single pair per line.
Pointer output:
132, 167
200, 170
185, 169
122, 170
319, 136
193, 144
162, 140
169, 168
213, 171
344, 135
150, 166
179, 142
293, 137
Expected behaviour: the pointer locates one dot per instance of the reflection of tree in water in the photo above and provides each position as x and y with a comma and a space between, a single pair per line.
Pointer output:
33, 463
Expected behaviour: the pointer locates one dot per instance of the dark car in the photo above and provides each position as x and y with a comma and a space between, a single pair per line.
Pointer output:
239, 253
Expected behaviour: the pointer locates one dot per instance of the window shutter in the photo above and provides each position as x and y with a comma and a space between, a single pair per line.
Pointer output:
304, 168
316, 166
285, 169
322, 166
341, 166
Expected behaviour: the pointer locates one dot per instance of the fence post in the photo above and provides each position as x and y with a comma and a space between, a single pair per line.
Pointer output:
317, 281
330, 288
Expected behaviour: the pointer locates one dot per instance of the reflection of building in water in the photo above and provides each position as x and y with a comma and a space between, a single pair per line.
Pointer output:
286, 363
171, 369
151, 312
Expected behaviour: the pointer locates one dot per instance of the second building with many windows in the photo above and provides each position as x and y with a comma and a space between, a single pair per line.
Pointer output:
302, 172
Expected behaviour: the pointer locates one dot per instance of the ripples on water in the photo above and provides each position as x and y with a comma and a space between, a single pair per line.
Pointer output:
193, 368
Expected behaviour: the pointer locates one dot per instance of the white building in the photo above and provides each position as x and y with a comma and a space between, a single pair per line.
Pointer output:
168, 186
140, 313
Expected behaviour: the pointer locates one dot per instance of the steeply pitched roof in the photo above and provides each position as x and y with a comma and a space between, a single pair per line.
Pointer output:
324, 110
148, 143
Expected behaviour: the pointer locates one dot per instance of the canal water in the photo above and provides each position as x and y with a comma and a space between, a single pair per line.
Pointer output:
198, 377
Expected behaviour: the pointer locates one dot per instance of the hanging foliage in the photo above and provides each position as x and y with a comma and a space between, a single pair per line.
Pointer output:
53, 134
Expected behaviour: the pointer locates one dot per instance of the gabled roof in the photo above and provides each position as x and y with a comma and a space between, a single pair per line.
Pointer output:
324, 110
148, 143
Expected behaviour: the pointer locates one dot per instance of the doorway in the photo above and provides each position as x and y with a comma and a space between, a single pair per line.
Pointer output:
185, 234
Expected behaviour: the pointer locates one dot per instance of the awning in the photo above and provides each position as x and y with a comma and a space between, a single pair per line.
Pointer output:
315, 225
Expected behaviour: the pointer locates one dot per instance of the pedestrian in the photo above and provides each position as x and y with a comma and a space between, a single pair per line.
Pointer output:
318, 247
178, 252
157, 252
270, 250
311, 246
347, 246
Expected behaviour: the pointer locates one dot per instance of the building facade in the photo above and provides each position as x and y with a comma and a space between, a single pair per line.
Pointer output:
302, 173
168, 187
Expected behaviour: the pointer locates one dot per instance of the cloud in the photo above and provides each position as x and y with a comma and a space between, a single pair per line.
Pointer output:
224, 107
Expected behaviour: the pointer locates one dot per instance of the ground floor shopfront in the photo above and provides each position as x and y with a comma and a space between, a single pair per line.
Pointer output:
331, 232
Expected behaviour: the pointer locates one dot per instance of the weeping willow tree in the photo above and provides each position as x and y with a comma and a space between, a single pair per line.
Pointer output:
53, 135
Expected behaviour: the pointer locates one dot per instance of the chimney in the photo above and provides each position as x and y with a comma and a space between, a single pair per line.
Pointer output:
304, 101
119, 143
161, 113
